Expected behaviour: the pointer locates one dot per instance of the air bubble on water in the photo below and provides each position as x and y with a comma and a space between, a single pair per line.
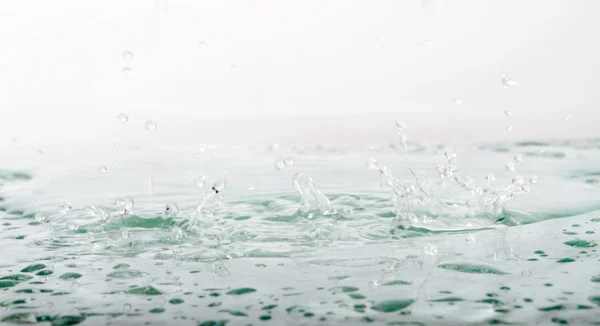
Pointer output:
127, 55
518, 158
171, 209
289, 161
458, 101
102, 169
200, 181
533, 179
64, 208
373, 284
151, 125
220, 185
201, 44
567, 118
400, 125
279, 164
373, 164
126, 308
508, 113
127, 71
510, 166
508, 82
509, 128
123, 117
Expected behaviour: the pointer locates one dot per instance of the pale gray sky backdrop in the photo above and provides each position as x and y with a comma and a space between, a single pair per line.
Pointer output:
311, 71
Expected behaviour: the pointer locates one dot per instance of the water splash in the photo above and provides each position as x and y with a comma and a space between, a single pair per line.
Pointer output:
312, 198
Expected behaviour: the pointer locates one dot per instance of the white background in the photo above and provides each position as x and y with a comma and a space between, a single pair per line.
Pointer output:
297, 71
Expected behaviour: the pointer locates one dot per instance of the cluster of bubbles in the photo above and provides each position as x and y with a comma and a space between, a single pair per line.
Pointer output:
283, 163
424, 199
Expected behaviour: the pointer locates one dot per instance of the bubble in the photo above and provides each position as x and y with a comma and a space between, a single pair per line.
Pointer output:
518, 158
279, 164
401, 125
127, 55
507, 82
509, 128
533, 179
126, 308
490, 178
373, 284
373, 164
201, 44
510, 166
289, 161
102, 169
458, 101
127, 71
123, 117
64, 208
171, 209
151, 125
508, 113
220, 185
200, 181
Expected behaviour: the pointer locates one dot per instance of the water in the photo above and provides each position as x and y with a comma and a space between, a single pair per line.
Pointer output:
340, 235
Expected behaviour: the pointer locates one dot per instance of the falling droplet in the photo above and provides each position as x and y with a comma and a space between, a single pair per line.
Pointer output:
373, 164
14, 140
533, 179
526, 188
219, 185
126, 308
123, 117
279, 164
274, 147
151, 125
373, 284
201, 44
64, 208
289, 161
102, 169
171, 209
567, 118
200, 181
401, 125
508, 113
127, 71
509, 128
490, 178
526, 273
540, 150
510, 166
508, 82
127, 55
458, 101
202, 148
233, 68
1, 184
518, 158
251, 187
518, 180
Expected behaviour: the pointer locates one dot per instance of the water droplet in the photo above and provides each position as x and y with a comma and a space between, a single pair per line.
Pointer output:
274, 147
289, 161
424, 42
251, 187
279, 164
124, 234
518, 158
508, 113
176, 233
567, 118
430, 250
509, 128
1, 184
540, 150
401, 125
200, 181
533, 179
123, 117
14, 140
220, 185
202, 148
458, 101
233, 68
510, 166
508, 82
127, 71
526, 188
201, 44
102, 169
151, 125
490, 178
373, 164
64, 208
126, 308
124, 205
518, 180
527, 273
127, 55
171, 209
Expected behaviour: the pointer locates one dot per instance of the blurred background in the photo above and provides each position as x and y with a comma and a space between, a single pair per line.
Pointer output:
315, 72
